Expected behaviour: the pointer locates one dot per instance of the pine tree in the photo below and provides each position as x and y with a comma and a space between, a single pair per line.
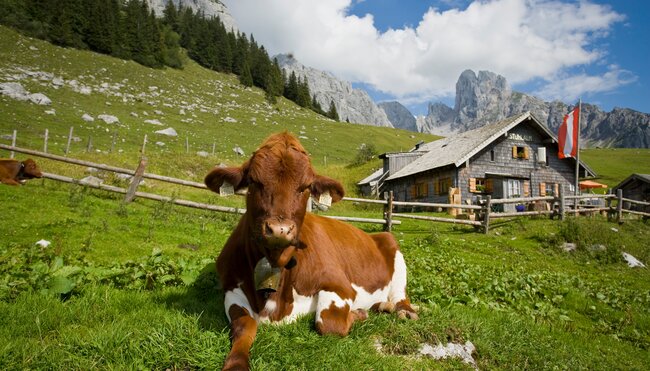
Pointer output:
291, 89
171, 16
245, 77
331, 113
304, 96
316, 106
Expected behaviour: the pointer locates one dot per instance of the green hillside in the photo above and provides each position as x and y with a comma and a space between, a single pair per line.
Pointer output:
201, 105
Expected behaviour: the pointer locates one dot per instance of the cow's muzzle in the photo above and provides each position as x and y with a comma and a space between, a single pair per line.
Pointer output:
279, 233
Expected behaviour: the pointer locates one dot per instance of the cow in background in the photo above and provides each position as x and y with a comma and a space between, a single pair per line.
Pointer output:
282, 262
14, 172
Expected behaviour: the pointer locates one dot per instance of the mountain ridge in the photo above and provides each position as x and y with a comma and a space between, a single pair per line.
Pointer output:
487, 97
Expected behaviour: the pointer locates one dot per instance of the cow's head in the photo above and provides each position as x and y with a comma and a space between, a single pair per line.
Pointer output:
29, 170
280, 180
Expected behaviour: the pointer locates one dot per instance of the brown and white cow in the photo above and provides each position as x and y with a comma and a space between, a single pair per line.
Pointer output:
14, 172
325, 266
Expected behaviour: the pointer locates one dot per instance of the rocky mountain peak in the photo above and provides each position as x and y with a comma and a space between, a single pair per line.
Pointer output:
399, 115
480, 97
353, 105
210, 8
487, 98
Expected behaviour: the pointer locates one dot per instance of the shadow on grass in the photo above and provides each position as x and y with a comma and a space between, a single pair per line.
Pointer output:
203, 298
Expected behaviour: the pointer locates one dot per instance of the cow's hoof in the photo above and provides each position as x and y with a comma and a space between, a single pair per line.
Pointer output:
360, 314
407, 314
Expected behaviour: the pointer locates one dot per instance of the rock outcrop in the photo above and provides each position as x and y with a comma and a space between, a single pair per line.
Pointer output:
210, 8
352, 105
487, 97
399, 116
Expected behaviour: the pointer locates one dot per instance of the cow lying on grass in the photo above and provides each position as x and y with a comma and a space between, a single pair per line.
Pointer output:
15, 172
282, 262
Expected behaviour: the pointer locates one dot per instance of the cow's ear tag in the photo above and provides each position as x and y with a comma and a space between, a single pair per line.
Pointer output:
266, 277
325, 199
226, 189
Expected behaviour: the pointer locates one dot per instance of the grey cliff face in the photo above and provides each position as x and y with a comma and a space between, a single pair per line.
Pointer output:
353, 105
487, 97
399, 116
210, 8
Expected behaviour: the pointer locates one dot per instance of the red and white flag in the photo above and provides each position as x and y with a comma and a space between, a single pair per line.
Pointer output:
568, 135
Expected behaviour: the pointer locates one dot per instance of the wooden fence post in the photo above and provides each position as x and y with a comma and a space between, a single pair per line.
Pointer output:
486, 214
113, 141
214, 146
187, 145
13, 143
137, 178
619, 206
47, 133
608, 205
67, 147
89, 146
144, 144
388, 211
562, 203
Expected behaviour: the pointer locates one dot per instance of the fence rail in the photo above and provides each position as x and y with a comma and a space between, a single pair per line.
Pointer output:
482, 213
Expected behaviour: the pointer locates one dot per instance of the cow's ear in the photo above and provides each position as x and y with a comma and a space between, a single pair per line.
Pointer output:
236, 176
323, 184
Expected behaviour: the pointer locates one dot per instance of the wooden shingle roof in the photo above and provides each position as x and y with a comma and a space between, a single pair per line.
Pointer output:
457, 149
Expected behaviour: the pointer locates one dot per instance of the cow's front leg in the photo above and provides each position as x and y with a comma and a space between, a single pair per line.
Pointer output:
243, 328
333, 314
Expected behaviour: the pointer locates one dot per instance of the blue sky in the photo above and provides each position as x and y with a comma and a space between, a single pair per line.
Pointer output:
413, 51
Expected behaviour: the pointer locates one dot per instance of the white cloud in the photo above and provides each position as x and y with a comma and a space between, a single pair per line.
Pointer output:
519, 39
570, 88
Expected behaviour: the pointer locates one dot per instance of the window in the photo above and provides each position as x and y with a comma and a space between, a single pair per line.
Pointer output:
419, 190
443, 185
514, 188
520, 152
548, 189
492, 155
480, 185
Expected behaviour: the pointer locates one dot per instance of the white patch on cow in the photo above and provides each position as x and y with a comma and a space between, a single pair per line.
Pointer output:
237, 297
325, 300
301, 305
365, 299
397, 285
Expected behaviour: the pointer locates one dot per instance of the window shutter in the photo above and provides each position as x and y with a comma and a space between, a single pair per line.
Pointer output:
556, 189
436, 187
472, 184
488, 185
526, 188
514, 151
542, 189
414, 191
526, 153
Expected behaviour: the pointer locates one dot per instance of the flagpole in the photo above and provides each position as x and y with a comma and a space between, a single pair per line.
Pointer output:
577, 190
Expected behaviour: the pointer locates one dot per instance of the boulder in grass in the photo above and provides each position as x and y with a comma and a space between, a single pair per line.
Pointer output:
170, 132
86, 117
153, 122
109, 119
40, 99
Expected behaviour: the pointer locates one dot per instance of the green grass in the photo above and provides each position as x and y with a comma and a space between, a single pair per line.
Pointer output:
133, 286
613, 165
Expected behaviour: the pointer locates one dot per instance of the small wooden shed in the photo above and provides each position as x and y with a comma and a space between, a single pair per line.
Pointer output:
635, 187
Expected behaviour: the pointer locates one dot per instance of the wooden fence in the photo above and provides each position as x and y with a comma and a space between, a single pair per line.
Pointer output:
483, 214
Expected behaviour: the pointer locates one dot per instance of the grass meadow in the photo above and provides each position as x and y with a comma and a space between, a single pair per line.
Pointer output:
134, 286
